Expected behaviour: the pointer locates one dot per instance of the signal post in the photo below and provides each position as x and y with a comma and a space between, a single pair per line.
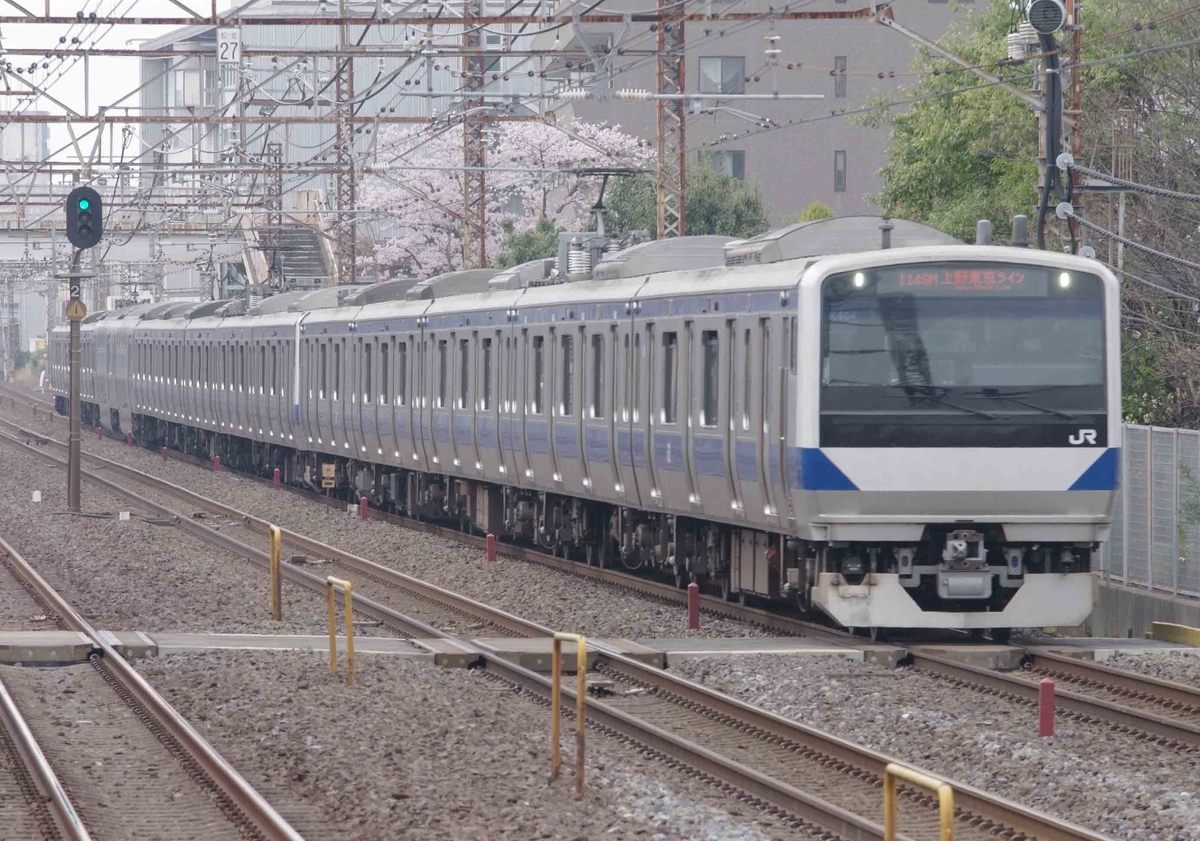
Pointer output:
85, 214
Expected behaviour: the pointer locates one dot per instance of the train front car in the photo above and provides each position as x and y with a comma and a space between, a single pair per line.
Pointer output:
960, 435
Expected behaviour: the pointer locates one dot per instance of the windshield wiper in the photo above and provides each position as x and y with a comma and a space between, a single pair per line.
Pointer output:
924, 391
996, 394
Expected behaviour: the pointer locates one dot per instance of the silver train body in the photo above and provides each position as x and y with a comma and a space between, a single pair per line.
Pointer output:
918, 437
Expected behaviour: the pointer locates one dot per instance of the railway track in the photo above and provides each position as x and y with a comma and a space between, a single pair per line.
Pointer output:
28, 776
820, 782
248, 813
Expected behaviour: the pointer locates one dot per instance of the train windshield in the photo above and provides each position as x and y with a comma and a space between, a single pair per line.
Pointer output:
962, 355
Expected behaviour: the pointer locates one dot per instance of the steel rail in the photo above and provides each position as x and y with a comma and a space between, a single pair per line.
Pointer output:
1135, 684
252, 805
985, 806
51, 791
1074, 703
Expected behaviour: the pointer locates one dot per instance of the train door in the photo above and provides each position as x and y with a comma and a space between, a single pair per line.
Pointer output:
459, 410
645, 360
569, 458
468, 444
385, 410
597, 410
749, 456
537, 410
509, 405
488, 396
709, 425
523, 395
423, 399
672, 414
356, 406
373, 406
408, 428
625, 366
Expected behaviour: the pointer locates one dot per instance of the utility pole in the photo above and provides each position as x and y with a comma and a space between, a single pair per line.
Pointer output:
672, 149
1074, 109
474, 148
346, 189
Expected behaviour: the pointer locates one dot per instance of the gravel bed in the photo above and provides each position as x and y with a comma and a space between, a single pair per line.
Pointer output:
1177, 666
1113, 783
123, 781
136, 575
538, 593
412, 751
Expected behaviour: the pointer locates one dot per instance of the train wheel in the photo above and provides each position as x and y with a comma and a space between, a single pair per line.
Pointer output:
1001, 636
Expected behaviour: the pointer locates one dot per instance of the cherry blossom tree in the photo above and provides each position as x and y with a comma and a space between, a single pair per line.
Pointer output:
415, 192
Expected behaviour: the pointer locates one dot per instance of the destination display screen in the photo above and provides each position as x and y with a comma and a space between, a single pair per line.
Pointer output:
963, 280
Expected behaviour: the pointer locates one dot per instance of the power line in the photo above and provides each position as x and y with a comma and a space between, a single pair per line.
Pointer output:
1065, 211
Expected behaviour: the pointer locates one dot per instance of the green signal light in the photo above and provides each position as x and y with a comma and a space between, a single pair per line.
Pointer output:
84, 204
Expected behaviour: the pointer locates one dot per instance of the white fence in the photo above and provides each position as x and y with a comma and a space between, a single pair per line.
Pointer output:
1156, 525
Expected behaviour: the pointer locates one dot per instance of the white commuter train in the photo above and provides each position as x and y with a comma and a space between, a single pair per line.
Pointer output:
923, 436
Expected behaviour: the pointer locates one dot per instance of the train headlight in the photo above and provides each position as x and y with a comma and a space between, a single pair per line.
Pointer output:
1064, 280
860, 280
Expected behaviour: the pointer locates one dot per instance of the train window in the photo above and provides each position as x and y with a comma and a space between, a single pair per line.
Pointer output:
464, 378
262, 371
274, 369
711, 374
792, 345
567, 404
539, 373
597, 376
366, 372
206, 372
637, 374
443, 361
324, 382
385, 383
764, 329
224, 366
485, 376
241, 367
747, 372
402, 375
337, 368
670, 343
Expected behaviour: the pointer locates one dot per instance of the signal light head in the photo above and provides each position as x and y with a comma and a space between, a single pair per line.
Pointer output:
84, 204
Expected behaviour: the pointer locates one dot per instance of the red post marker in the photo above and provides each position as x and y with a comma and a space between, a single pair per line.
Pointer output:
491, 548
100, 433
1046, 707
693, 606
216, 463
362, 508
275, 479
129, 439
164, 453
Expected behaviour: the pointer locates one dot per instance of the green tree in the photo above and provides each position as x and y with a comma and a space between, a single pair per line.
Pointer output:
956, 158
522, 246
713, 202
815, 210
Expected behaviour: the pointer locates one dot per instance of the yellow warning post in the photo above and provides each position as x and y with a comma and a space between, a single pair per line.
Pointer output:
347, 589
580, 704
944, 792
276, 572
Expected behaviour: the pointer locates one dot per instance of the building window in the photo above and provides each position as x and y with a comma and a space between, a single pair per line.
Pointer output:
568, 376
670, 343
494, 42
839, 76
732, 163
839, 171
711, 375
722, 74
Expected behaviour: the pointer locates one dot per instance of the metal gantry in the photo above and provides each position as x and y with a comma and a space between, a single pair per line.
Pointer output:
672, 147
